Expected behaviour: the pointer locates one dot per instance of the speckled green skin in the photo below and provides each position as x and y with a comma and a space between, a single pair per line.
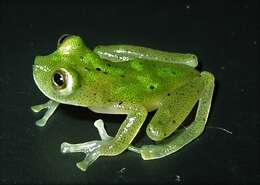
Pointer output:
132, 80
100, 82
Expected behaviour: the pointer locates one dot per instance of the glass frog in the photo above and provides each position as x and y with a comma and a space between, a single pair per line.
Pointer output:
131, 80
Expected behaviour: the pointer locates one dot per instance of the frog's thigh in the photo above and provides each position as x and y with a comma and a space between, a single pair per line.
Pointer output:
184, 136
174, 109
121, 53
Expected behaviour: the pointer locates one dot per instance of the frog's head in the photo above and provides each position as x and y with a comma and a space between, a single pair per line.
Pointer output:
56, 75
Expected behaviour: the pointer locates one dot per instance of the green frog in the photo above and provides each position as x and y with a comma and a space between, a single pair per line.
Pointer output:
125, 79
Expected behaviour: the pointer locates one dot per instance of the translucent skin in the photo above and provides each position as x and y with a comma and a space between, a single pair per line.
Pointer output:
124, 79
101, 81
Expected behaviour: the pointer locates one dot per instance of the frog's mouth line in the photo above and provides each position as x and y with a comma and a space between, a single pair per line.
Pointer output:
36, 70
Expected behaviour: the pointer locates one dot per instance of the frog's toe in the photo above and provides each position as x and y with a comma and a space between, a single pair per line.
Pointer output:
82, 165
89, 159
71, 148
65, 147
41, 122
37, 108
99, 124
86, 147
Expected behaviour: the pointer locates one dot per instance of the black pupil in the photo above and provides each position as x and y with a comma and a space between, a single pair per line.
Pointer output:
58, 79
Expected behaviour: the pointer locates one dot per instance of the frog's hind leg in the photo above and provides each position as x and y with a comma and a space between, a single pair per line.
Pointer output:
183, 102
121, 53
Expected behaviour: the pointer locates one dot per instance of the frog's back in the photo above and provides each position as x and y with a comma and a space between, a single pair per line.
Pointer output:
146, 82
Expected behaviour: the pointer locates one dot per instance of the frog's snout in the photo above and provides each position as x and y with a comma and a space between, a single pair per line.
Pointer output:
41, 64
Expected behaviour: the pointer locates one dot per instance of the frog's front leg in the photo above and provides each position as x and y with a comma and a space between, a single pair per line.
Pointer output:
99, 124
109, 146
87, 147
51, 106
91, 149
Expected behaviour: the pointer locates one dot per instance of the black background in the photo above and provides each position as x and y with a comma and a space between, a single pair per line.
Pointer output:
222, 34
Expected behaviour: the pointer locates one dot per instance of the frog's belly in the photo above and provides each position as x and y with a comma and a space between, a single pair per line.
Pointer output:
113, 110
149, 105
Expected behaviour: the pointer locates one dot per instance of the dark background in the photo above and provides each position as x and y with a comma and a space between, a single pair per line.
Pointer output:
222, 34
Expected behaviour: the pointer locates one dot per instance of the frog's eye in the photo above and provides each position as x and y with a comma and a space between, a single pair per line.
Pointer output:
62, 39
64, 81
60, 79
